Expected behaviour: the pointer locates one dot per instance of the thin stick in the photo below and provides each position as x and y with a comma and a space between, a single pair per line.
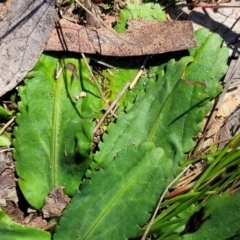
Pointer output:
134, 81
227, 82
102, 63
216, 6
58, 71
65, 17
178, 16
7, 125
103, 24
95, 81
128, 84
89, 12
160, 201
6, 150
112, 106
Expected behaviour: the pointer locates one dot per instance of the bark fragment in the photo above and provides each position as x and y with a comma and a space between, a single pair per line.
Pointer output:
141, 38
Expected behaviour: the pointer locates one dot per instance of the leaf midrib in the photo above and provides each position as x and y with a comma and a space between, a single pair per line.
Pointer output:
55, 127
116, 198
159, 115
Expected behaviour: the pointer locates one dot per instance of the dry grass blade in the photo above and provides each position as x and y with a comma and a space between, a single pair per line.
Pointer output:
95, 81
111, 107
7, 125
140, 72
160, 201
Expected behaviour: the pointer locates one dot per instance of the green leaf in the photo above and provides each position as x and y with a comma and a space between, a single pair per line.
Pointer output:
158, 117
224, 219
119, 196
4, 113
209, 63
54, 133
10, 230
147, 11
5, 139
116, 81
218, 177
172, 111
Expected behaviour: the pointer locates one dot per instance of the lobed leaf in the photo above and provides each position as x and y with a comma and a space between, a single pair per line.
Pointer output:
173, 108
209, 63
147, 11
119, 196
158, 117
54, 133
168, 116
10, 230
117, 80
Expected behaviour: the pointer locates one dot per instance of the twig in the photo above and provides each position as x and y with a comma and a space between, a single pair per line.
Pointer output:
227, 81
7, 125
112, 105
102, 63
103, 24
216, 6
179, 15
95, 81
160, 201
128, 84
65, 17
6, 150
134, 81
87, 10
58, 71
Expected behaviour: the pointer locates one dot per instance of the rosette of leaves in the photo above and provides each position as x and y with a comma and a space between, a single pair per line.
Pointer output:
121, 194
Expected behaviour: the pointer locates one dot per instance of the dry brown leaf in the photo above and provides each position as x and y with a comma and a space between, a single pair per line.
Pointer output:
141, 38
24, 32
55, 203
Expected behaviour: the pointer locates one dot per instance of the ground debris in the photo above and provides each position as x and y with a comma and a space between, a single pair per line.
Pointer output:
35, 219
141, 38
7, 181
55, 203
224, 22
24, 32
